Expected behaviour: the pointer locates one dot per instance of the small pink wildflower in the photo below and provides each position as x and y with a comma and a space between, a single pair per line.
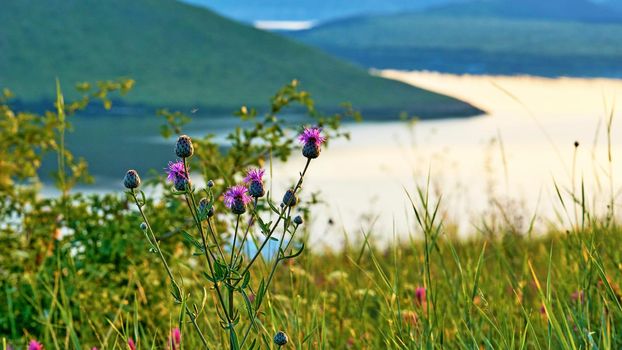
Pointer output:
312, 135
131, 344
35, 345
420, 295
175, 339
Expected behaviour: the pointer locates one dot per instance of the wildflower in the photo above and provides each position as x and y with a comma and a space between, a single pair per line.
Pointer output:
175, 339
254, 179
280, 338
290, 199
131, 180
35, 345
131, 344
312, 139
420, 295
177, 175
184, 148
236, 198
175, 170
298, 220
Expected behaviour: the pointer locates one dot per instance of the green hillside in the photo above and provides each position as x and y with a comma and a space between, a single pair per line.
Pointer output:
476, 44
182, 55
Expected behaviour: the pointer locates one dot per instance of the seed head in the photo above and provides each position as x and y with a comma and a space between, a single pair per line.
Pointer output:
184, 148
236, 198
143, 226
280, 338
210, 184
298, 220
290, 199
131, 180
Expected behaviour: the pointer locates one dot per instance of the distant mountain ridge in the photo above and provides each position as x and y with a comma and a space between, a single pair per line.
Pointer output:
567, 10
182, 55
476, 43
329, 10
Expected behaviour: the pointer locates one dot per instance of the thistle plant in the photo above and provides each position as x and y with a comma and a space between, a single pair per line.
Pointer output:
228, 267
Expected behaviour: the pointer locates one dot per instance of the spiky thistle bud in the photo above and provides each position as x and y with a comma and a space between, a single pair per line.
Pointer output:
280, 338
298, 220
184, 148
290, 199
181, 183
131, 179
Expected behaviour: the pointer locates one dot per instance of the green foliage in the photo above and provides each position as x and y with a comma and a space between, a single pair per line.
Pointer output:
78, 271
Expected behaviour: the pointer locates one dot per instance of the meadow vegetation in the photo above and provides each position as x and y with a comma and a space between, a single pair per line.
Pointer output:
87, 271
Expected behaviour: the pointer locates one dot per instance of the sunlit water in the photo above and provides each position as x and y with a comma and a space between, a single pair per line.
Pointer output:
507, 160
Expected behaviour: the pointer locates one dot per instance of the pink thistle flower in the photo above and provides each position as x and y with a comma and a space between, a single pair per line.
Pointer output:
131, 344
420, 295
175, 339
312, 135
35, 345
236, 198
254, 175
254, 179
176, 171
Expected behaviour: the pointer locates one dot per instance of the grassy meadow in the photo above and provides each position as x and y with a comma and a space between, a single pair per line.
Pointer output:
185, 269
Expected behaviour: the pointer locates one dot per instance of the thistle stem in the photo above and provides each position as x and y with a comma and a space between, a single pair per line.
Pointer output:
168, 270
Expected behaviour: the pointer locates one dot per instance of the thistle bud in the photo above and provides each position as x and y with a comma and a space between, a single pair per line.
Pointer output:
290, 199
131, 180
256, 190
184, 148
280, 338
181, 183
203, 208
311, 150
298, 220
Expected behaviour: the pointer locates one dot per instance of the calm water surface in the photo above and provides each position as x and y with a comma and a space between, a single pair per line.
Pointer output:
509, 158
